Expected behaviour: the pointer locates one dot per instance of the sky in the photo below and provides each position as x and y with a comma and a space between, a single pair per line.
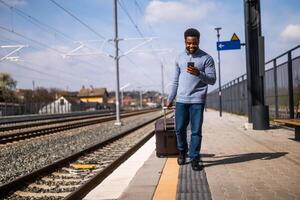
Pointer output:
50, 31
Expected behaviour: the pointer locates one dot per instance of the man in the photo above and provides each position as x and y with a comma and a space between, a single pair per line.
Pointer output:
194, 70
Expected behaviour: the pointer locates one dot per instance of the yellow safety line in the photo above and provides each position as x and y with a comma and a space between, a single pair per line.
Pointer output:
167, 186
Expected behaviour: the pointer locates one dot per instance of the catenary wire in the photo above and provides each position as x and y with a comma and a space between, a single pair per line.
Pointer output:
58, 51
79, 20
36, 21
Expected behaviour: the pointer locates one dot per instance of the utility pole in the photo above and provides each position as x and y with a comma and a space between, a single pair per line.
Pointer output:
162, 86
115, 12
219, 72
258, 113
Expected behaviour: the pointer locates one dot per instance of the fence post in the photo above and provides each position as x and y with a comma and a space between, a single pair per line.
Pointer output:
231, 95
238, 96
290, 85
275, 88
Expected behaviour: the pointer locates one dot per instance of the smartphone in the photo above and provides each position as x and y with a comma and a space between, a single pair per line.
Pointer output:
191, 64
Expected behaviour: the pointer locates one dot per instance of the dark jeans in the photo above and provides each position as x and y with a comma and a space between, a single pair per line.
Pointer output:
184, 114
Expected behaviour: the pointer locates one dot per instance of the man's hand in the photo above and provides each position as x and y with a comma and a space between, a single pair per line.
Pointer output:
193, 70
169, 105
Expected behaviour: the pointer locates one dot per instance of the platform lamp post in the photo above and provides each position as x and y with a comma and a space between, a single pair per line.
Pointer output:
219, 72
162, 86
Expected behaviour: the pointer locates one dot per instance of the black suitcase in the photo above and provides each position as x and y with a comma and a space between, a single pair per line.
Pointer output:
165, 137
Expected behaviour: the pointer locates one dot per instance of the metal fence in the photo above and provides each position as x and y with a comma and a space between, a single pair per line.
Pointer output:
8, 108
282, 89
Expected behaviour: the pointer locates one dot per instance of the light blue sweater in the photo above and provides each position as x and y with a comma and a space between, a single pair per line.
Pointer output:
190, 88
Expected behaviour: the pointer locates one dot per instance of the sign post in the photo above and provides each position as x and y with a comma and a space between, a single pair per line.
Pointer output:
219, 72
234, 43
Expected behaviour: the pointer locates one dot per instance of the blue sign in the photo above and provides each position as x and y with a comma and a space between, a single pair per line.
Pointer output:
228, 45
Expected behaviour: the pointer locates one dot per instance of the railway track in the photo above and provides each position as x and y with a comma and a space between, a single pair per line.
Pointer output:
74, 176
44, 128
15, 124
37, 117
40, 122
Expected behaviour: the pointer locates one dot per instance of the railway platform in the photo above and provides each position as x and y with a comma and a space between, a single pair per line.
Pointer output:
239, 163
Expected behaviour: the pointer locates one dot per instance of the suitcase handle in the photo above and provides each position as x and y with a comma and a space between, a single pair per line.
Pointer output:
165, 115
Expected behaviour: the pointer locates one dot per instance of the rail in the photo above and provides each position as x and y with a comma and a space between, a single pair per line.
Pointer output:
21, 134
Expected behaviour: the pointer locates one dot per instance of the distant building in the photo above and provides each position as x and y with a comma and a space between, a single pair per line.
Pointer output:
62, 105
131, 99
71, 94
94, 98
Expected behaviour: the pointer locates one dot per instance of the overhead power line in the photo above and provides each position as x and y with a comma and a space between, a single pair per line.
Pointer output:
148, 23
6, 39
136, 26
122, 5
138, 6
46, 46
38, 71
32, 40
59, 70
91, 29
80, 21
130, 18
36, 21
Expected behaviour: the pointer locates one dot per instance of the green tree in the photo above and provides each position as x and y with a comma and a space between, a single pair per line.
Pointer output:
7, 88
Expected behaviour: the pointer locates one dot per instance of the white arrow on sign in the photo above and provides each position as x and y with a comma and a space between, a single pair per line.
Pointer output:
221, 46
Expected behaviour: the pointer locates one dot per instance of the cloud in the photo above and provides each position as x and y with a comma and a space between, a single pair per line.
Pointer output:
177, 11
15, 2
291, 32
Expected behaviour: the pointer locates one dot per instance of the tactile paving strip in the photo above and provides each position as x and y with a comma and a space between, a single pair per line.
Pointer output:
192, 185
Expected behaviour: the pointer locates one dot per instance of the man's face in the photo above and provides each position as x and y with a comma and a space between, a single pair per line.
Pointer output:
191, 44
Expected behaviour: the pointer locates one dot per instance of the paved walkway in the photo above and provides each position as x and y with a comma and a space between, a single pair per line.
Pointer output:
249, 164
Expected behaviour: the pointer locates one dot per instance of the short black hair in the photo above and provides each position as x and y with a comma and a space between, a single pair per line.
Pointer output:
192, 32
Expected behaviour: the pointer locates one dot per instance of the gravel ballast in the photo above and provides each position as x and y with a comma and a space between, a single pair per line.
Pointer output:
23, 157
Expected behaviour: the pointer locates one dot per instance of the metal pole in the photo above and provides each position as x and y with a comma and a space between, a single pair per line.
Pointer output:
115, 12
258, 111
248, 69
219, 72
275, 88
162, 86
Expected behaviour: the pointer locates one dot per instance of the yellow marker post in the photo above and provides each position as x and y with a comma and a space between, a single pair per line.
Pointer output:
83, 166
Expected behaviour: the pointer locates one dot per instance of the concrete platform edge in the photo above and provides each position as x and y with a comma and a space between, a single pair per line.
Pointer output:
144, 184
